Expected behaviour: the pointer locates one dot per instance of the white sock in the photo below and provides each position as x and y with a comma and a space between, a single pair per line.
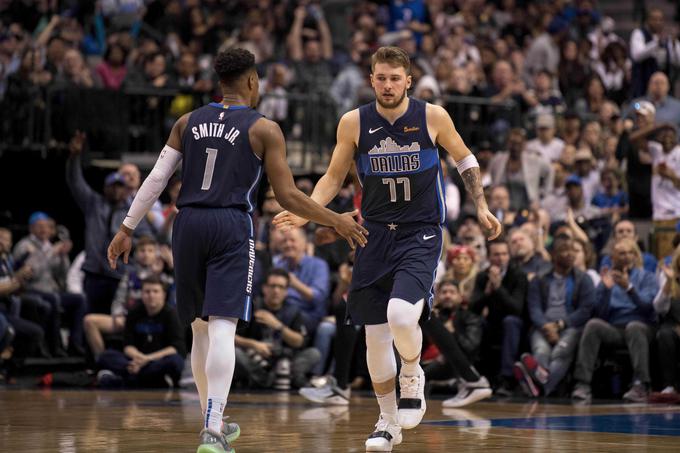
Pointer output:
199, 354
410, 368
219, 369
388, 406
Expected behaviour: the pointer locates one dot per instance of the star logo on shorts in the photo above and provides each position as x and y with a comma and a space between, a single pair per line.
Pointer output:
392, 226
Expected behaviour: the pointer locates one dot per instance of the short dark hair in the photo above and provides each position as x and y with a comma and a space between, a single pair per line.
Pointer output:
498, 241
146, 240
154, 279
231, 64
392, 55
277, 272
446, 282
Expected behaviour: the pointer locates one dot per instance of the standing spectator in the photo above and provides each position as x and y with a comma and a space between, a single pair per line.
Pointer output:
614, 69
349, 82
75, 73
49, 264
456, 334
499, 295
277, 333
309, 278
525, 256
544, 51
103, 214
667, 305
610, 197
274, 94
625, 229
527, 176
311, 56
625, 316
652, 48
545, 143
560, 303
154, 350
573, 72
113, 70
588, 107
189, 75
665, 188
667, 108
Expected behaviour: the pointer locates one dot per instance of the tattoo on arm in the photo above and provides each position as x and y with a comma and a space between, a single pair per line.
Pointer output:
473, 184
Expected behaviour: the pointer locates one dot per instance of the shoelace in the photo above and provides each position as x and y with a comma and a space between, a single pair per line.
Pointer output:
382, 424
409, 386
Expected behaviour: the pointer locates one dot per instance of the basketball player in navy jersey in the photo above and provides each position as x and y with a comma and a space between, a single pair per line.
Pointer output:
223, 147
392, 143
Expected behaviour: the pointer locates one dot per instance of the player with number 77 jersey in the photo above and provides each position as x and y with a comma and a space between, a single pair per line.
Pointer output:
392, 142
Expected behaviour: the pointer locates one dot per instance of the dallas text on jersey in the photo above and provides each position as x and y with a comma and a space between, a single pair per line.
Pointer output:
390, 157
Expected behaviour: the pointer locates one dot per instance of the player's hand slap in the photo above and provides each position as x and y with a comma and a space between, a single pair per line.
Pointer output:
121, 244
349, 229
286, 220
489, 223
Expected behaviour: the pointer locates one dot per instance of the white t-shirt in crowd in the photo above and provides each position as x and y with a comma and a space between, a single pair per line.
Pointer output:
665, 196
550, 151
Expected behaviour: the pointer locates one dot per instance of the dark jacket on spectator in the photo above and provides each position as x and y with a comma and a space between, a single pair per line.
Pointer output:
579, 301
101, 220
506, 300
468, 330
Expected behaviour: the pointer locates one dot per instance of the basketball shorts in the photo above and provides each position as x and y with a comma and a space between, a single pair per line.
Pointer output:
398, 262
214, 254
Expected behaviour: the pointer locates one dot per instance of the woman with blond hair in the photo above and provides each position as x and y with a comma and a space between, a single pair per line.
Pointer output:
667, 305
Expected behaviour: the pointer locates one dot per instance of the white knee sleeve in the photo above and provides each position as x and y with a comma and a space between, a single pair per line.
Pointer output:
402, 317
382, 365
402, 314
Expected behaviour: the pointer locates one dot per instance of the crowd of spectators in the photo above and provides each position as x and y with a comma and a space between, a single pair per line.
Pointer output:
589, 155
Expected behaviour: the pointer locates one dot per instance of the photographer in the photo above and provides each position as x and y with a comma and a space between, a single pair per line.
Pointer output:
276, 333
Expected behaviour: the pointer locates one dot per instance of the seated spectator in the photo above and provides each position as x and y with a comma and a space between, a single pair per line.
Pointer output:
276, 336
667, 305
499, 205
611, 198
147, 263
499, 296
112, 70
560, 303
154, 350
584, 166
462, 268
624, 317
545, 143
625, 229
28, 335
309, 278
455, 334
49, 265
524, 255
585, 259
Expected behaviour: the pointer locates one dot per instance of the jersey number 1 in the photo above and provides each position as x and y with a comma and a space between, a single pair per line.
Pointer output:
392, 182
209, 168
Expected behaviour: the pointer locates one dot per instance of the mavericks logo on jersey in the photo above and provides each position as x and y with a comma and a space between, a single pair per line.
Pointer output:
390, 157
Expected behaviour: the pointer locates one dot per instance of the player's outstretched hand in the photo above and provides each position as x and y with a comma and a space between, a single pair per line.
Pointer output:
121, 244
489, 223
348, 228
286, 220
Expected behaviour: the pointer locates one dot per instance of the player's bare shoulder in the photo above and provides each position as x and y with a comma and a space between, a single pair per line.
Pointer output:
438, 121
177, 133
263, 134
349, 127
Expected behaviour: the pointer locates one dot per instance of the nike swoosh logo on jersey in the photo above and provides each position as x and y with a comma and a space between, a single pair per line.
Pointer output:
371, 131
427, 238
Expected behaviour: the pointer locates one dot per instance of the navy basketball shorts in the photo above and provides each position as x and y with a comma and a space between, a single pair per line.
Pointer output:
214, 254
397, 262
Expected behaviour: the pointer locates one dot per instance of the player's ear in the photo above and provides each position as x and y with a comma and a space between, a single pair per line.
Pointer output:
372, 84
409, 80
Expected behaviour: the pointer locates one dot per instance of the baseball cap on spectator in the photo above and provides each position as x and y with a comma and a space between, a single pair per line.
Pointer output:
573, 180
545, 121
644, 108
114, 178
457, 250
37, 216
583, 154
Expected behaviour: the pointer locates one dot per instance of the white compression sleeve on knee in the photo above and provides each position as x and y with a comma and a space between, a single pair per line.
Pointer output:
466, 163
403, 318
153, 186
219, 368
379, 353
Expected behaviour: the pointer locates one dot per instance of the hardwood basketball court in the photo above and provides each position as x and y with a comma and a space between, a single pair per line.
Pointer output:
128, 421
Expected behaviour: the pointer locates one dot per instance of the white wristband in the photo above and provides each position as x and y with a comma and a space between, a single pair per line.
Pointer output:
153, 186
469, 161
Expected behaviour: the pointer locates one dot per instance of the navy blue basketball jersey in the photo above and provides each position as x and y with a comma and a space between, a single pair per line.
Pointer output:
219, 167
399, 168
